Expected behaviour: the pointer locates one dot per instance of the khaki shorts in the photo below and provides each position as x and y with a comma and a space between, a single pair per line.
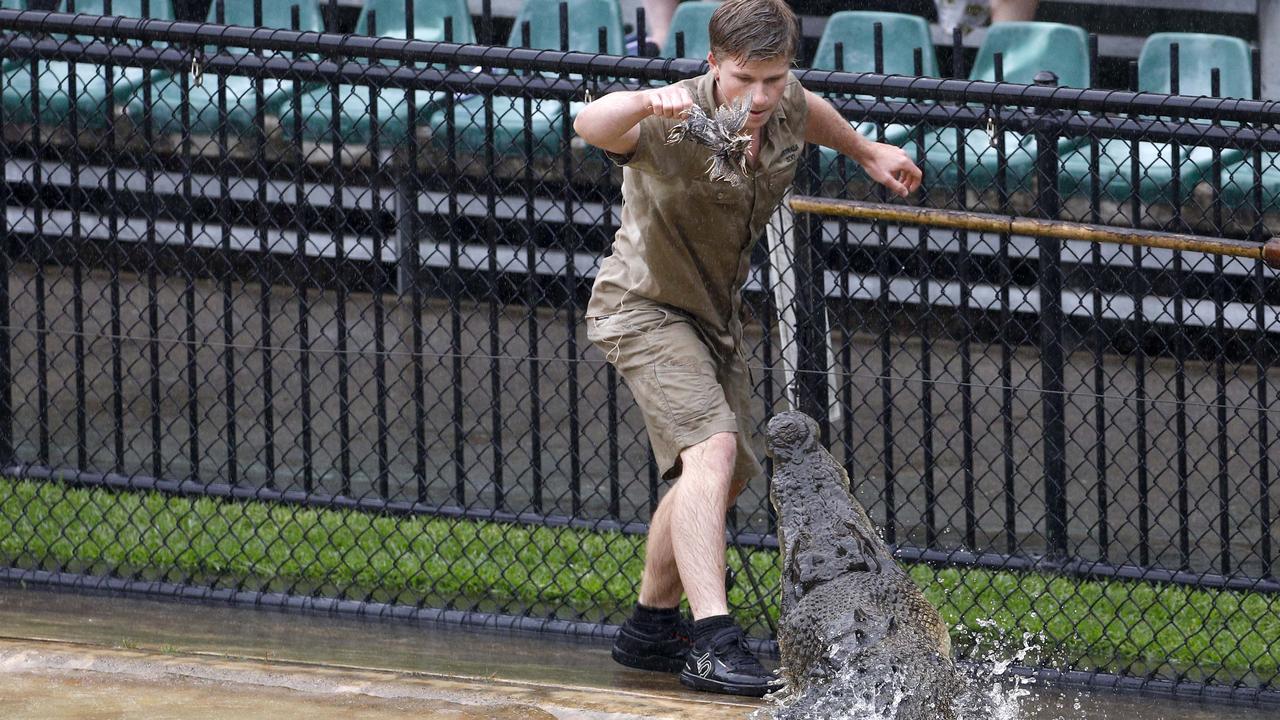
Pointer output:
687, 391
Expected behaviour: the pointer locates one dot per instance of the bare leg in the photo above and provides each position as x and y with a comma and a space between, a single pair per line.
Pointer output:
657, 19
660, 585
691, 516
1007, 10
697, 522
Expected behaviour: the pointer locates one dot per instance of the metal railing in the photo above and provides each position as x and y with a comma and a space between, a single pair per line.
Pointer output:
349, 273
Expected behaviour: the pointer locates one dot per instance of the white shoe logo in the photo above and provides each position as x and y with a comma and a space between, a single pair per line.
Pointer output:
704, 664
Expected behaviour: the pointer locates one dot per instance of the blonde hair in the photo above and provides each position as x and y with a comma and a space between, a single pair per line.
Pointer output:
747, 30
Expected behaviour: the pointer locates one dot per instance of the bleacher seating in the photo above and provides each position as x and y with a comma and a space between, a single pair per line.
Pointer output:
241, 100
354, 121
854, 32
1198, 54
53, 79
690, 23
545, 117
1238, 182
1025, 48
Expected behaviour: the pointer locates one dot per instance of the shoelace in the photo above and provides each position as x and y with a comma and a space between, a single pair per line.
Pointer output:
731, 647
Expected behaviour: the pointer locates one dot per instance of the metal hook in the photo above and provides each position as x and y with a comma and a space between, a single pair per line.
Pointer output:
991, 130
197, 70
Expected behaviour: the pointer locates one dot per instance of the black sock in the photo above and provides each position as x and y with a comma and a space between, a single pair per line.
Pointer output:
655, 618
706, 627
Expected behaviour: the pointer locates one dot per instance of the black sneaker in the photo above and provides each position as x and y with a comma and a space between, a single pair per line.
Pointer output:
651, 648
724, 665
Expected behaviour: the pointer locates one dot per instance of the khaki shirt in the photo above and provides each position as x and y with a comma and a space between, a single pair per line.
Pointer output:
685, 241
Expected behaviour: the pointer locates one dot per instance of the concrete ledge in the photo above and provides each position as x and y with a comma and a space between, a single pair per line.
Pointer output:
145, 680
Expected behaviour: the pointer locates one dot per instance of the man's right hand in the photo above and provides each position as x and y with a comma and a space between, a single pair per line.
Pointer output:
612, 122
669, 102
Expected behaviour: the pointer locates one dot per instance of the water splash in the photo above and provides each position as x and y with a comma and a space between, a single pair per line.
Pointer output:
989, 690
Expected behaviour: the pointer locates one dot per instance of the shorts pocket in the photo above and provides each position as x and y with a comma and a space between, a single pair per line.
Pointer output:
622, 336
689, 392
625, 323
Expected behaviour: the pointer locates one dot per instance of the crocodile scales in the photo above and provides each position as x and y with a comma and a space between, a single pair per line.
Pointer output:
854, 627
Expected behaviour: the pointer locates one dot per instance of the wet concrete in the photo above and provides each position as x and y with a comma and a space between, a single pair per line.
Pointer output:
85, 694
78, 656
332, 667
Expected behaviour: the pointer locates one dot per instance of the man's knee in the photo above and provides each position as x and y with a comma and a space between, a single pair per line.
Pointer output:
716, 455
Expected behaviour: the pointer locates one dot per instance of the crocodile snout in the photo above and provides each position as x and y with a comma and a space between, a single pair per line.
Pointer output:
791, 433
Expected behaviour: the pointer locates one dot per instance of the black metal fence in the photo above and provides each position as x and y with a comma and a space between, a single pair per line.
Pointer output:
348, 273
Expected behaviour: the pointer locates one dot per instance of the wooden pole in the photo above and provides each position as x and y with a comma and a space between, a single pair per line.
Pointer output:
1268, 252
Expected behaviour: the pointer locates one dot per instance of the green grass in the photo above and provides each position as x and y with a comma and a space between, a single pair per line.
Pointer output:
1109, 625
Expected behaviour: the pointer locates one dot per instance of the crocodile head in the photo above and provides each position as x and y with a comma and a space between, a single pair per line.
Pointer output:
853, 625
791, 436
823, 529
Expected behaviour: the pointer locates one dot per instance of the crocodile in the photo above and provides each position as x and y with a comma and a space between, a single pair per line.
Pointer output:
854, 628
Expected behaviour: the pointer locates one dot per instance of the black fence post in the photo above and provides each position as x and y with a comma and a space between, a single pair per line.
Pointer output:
641, 34
1052, 360
7, 455
406, 197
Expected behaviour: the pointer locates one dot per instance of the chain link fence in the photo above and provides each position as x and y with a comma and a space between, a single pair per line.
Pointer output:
297, 317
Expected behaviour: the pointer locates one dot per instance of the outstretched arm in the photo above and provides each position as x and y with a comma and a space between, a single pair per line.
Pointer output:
612, 123
888, 165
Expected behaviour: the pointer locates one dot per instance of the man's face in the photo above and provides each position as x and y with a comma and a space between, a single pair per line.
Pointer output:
761, 80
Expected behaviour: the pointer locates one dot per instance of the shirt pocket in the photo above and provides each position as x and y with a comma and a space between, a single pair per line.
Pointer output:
716, 193
780, 179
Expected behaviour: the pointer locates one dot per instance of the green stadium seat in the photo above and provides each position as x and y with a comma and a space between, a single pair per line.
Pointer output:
1026, 48
1198, 54
52, 80
586, 17
854, 30
1237, 183
691, 18
11, 5
166, 104
354, 121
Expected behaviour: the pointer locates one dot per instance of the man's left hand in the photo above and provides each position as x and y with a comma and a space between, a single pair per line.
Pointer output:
890, 166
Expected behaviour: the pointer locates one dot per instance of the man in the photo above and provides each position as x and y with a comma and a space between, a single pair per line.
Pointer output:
666, 311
